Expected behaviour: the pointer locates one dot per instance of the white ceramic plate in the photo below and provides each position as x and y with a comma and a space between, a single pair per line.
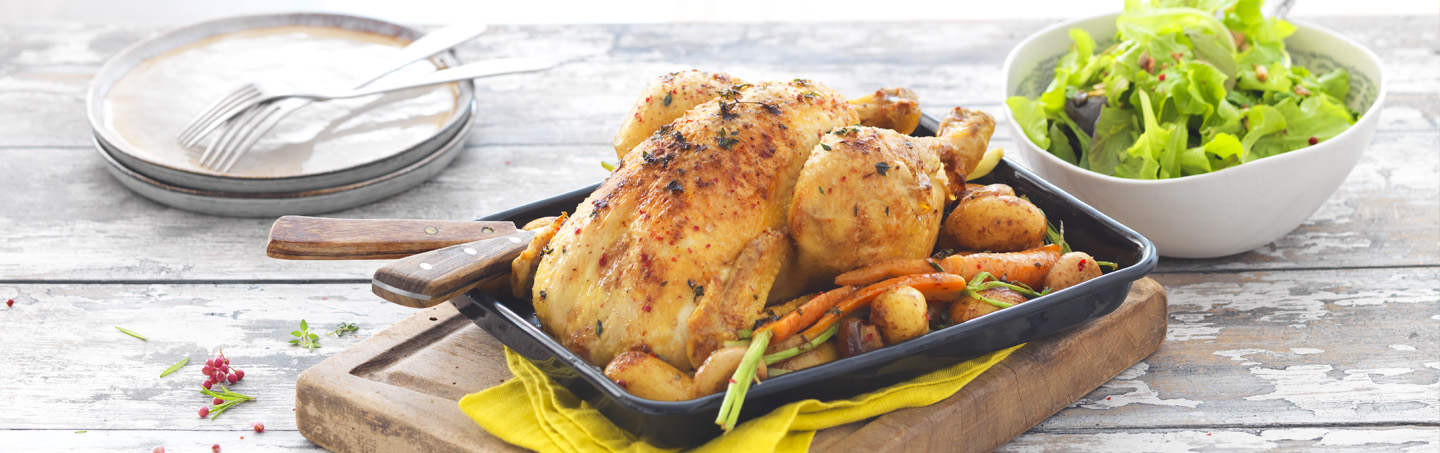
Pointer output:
345, 173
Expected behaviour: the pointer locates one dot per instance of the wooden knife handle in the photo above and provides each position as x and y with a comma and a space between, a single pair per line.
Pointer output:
432, 277
317, 238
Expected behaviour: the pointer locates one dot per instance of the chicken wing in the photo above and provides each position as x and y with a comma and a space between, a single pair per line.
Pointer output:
666, 99
635, 265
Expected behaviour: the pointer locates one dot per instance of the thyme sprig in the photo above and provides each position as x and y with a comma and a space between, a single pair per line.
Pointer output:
304, 338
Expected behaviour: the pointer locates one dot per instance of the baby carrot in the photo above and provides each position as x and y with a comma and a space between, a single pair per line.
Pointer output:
922, 282
1025, 267
802, 317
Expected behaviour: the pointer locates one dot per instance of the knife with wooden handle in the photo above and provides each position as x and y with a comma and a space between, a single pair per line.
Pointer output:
432, 277
318, 238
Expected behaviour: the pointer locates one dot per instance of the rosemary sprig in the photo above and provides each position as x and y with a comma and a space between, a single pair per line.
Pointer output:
132, 333
176, 367
231, 399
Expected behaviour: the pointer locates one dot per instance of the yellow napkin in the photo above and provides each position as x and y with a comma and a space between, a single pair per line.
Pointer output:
534, 412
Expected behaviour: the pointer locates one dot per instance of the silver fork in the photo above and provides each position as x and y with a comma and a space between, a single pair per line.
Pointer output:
247, 96
242, 133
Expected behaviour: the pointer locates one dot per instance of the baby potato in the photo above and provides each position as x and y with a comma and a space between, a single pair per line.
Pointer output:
648, 377
1071, 269
986, 220
900, 314
967, 308
973, 191
825, 353
715, 373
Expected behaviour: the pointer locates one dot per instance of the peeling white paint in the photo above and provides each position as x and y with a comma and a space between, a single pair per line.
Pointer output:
1402, 347
1284, 302
1304, 351
1238, 355
1138, 392
1413, 440
1434, 365
1187, 326
1311, 387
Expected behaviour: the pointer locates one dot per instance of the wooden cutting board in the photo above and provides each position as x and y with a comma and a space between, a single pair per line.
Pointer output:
397, 390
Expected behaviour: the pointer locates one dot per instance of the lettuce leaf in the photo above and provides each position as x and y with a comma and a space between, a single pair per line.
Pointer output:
1224, 151
1061, 146
1195, 87
1316, 116
1030, 116
1260, 120
1336, 83
1156, 153
1115, 132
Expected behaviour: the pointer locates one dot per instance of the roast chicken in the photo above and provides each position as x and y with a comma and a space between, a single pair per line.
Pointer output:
679, 246
698, 228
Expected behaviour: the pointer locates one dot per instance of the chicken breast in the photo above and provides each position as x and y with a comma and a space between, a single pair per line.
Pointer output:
679, 246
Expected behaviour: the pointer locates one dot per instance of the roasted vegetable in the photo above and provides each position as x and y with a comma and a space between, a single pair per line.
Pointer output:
1070, 270
899, 314
989, 219
714, 374
858, 337
647, 376
968, 308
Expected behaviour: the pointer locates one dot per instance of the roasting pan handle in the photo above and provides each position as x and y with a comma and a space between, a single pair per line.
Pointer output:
318, 238
432, 277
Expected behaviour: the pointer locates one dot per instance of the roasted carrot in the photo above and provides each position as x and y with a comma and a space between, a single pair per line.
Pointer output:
1027, 267
926, 283
886, 270
806, 315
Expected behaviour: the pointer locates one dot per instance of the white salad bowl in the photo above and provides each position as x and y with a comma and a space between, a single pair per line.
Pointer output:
1223, 212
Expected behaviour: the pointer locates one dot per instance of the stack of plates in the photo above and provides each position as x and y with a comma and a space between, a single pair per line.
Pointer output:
325, 157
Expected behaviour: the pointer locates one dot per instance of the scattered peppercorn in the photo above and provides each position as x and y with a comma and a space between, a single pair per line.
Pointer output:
9, 302
258, 427
1314, 140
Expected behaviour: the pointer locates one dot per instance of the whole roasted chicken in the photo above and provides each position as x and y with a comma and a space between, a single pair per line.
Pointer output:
687, 241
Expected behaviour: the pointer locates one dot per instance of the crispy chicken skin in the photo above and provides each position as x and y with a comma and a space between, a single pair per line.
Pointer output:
893, 108
693, 213
666, 99
866, 195
847, 214
968, 135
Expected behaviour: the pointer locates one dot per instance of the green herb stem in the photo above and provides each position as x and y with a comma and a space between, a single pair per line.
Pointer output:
803, 348
176, 367
132, 333
740, 381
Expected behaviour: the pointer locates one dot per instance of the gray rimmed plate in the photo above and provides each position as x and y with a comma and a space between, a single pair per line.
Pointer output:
300, 202
177, 174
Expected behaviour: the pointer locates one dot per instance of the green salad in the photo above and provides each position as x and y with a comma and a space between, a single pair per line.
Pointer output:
1188, 87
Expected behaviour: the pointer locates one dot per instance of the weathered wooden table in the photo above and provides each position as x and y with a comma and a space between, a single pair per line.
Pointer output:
1327, 338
